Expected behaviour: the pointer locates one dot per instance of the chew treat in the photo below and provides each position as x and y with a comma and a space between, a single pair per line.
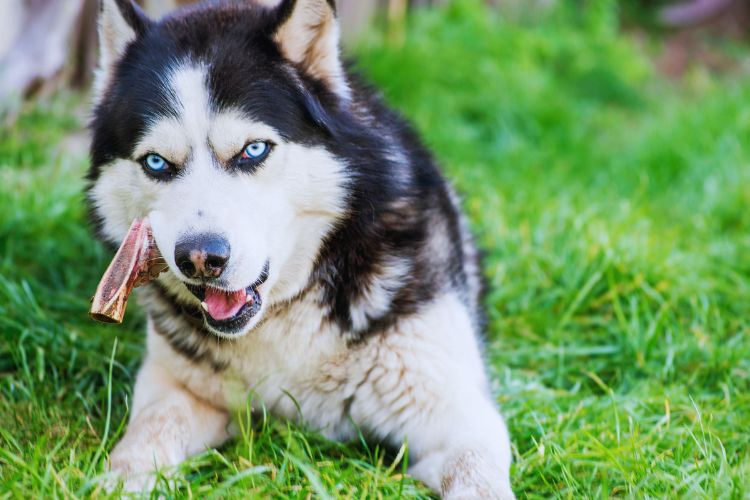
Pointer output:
136, 262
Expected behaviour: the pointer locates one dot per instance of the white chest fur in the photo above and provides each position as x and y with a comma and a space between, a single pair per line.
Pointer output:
295, 362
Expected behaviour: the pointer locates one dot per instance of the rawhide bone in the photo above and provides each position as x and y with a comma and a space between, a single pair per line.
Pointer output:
136, 262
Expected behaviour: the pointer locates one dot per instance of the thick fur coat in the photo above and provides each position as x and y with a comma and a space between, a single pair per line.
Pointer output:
314, 248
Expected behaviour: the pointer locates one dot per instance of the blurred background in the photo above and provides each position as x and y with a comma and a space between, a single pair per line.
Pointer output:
48, 43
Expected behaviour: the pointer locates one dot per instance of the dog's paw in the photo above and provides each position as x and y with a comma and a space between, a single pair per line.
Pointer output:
117, 481
138, 483
474, 492
131, 469
471, 476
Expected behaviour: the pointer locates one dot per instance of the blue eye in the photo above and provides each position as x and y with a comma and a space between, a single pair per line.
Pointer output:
155, 163
256, 150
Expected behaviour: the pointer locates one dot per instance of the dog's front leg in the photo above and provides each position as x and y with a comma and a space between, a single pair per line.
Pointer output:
168, 424
424, 382
464, 453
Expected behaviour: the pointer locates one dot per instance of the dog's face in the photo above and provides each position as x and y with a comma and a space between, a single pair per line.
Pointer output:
208, 125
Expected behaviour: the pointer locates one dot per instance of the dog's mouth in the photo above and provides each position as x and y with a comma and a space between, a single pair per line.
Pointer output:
230, 311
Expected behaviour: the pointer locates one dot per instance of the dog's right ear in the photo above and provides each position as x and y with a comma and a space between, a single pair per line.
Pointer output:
120, 23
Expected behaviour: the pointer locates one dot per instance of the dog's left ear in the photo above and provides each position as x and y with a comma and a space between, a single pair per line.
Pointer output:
308, 34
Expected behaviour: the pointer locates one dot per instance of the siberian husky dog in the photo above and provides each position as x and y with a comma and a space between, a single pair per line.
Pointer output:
319, 264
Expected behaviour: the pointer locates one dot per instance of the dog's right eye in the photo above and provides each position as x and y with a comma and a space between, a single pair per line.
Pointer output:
156, 166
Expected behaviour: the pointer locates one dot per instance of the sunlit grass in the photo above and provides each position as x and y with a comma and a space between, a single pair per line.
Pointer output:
611, 205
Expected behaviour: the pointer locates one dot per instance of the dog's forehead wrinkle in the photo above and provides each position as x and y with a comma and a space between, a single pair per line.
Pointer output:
189, 85
232, 129
166, 137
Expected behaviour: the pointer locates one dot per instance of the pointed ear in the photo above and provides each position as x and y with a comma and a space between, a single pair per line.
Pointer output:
308, 35
120, 23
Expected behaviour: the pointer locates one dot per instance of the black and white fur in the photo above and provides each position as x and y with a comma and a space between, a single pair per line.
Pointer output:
371, 309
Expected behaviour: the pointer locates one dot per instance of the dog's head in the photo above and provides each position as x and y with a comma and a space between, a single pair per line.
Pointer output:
211, 123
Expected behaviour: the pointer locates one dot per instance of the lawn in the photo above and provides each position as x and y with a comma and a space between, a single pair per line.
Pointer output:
611, 203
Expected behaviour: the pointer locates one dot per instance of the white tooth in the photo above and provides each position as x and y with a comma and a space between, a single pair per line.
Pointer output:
248, 299
204, 306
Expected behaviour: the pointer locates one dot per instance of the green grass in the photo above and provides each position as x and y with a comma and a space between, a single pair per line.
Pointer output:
613, 208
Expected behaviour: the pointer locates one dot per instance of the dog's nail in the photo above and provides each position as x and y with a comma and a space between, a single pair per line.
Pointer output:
204, 306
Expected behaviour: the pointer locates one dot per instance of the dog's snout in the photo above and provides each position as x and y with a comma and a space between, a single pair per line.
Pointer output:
202, 256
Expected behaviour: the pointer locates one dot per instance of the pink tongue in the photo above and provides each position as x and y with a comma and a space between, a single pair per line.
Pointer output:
224, 305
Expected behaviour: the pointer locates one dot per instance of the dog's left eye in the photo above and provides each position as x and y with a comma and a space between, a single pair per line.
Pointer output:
256, 151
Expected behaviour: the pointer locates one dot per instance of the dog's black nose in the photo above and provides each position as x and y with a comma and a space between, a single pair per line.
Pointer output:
202, 255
